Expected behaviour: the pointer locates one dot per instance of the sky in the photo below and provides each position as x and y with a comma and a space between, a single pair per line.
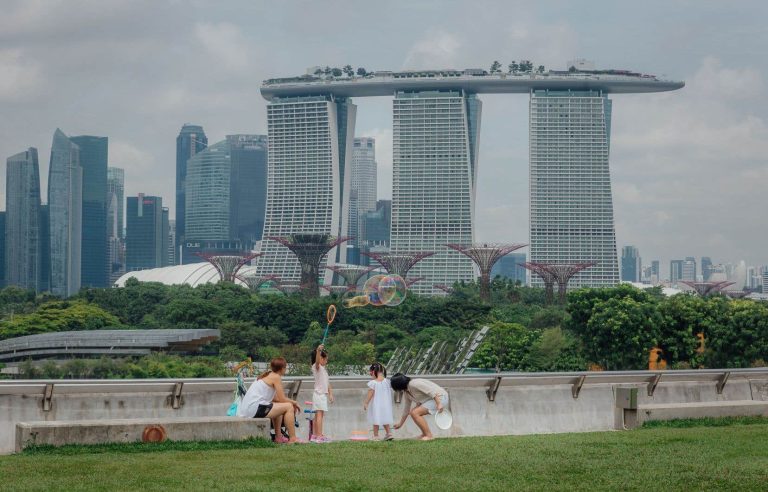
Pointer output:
689, 168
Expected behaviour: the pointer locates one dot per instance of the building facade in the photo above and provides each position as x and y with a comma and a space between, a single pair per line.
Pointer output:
363, 187
631, 264
2, 251
65, 181
706, 268
689, 269
571, 206
22, 220
248, 187
145, 237
675, 271
115, 223
190, 141
207, 194
94, 264
435, 155
509, 267
310, 146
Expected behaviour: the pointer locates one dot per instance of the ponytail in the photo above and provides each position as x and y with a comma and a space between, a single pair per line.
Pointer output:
275, 365
378, 368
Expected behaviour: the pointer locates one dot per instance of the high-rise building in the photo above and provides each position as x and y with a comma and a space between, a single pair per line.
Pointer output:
377, 226
362, 198
435, 156
631, 264
655, 272
509, 267
65, 200
190, 141
248, 187
93, 160
765, 281
689, 269
207, 194
2, 251
22, 220
146, 239
310, 146
115, 223
171, 242
706, 267
165, 232
44, 281
571, 208
675, 271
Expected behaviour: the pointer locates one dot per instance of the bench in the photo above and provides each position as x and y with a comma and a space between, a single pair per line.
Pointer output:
59, 432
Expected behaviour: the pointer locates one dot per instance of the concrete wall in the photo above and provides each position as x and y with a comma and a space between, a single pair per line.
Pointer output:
524, 404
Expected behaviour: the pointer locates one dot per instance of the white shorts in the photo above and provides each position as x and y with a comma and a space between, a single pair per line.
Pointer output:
320, 401
431, 405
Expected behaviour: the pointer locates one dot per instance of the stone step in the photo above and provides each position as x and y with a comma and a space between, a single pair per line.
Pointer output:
695, 410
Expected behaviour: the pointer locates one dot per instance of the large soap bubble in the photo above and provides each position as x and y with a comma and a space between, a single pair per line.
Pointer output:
393, 289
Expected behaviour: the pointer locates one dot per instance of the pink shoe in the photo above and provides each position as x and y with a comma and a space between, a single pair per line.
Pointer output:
281, 440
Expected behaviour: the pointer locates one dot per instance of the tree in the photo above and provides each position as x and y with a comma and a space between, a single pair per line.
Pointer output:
513, 67
742, 339
361, 72
319, 71
496, 67
336, 72
349, 70
506, 347
540, 69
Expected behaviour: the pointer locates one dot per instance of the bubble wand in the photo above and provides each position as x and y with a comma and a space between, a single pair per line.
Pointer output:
330, 315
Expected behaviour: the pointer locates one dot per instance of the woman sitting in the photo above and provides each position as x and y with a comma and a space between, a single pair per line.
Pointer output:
429, 398
266, 398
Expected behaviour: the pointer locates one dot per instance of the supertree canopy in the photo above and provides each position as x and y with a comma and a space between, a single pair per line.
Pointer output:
563, 272
398, 263
485, 255
707, 288
547, 277
228, 265
350, 273
254, 282
310, 248
409, 282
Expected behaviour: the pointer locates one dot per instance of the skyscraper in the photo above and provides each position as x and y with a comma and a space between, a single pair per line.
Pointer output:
706, 267
689, 269
310, 144
65, 195
509, 267
2, 251
165, 235
675, 271
22, 220
571, 207
44, 279
190, 141
115, 222
145, 234
655, 272
208, 194
248, 187
435, 154
363, 186
631, 265
93, 160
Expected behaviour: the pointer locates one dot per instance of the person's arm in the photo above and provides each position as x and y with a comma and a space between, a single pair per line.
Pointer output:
280, 394
317, 355
330, 392
406, 410
368, 399
439, 403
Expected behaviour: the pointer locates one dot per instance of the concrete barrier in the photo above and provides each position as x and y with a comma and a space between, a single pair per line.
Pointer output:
59, 433
482, 404
671, 411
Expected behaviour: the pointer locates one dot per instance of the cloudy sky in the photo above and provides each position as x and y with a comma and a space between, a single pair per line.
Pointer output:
689, 168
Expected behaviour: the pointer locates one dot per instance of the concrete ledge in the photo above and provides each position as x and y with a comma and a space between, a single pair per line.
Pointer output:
59, 433
697, 410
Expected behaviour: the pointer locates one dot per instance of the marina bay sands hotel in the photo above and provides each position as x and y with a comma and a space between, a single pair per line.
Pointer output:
436, 135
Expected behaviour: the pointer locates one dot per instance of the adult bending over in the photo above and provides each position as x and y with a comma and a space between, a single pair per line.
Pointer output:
429, 398
266, 398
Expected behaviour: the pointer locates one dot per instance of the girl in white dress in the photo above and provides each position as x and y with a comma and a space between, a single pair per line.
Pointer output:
378, 403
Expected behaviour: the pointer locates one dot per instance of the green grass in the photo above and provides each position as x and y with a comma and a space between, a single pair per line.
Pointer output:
697, 458
705, 422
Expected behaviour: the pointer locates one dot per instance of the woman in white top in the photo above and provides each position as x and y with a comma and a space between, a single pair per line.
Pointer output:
429, 398
266, 398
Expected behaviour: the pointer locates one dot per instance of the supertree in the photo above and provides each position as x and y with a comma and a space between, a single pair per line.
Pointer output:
707, 288
409, 282
310, 248
547, 277
254, 282
485, 255
398, 263
736, 294
445, 288
228, 265
563, 272
350, 273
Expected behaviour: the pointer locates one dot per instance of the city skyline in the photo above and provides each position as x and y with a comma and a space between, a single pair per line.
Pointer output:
711, 135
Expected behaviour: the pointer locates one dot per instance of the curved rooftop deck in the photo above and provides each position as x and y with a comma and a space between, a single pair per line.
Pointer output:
472, 81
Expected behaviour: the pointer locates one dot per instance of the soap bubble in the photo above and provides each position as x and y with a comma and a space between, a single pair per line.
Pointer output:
393, 289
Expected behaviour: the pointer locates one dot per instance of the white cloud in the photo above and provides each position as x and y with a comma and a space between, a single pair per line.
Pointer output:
225, 42
548, 44
20, 77
437, 50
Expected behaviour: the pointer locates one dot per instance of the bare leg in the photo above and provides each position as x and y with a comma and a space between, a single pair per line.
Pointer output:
319, 414
388, 430
278, 413
376, 431
418, 414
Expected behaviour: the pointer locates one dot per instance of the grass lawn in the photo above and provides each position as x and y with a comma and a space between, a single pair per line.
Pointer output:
731, 457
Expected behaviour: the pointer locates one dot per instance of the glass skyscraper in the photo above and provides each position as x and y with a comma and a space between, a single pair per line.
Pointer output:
509, 267
207, 194
571, 206
631, 264
115, 222
65, 181
362, 198
310, 144
435, 152
93, 161
248, 187
22, 220
190, 141
146, 233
